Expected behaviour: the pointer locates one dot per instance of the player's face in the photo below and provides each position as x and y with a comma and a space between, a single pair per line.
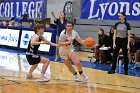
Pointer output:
121, 17
100, 32
62, 15
69, 27
41, 31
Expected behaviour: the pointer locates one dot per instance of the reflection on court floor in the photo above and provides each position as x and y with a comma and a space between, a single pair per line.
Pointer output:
14, 66
17, 63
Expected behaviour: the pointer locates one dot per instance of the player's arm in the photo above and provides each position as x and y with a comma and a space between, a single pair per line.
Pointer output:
67, 42
63, 41
53, 16
114, 38
81, 41
34, 40
48, 42
128, 35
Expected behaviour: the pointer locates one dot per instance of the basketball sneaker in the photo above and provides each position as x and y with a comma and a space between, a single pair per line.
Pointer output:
30, 77
76, 77
84, 76
44, 79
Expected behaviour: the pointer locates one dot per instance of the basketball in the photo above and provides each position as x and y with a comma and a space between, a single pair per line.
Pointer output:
89, 42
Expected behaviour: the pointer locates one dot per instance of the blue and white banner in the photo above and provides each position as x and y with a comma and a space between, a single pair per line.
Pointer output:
34, 8
9, 37
110, 9
26, 36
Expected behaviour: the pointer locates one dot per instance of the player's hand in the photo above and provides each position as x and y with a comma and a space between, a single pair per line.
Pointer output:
69, 41
52, 13
57, 45
114, 46
43, 42
128, 47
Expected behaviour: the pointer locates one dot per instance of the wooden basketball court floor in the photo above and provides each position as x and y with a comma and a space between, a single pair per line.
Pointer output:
14, 67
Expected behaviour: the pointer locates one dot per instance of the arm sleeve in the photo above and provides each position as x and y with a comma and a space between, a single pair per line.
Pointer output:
128, 26
115, 26
77, 37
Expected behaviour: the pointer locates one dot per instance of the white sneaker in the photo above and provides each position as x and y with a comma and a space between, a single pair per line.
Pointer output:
84, 76
30, 77
76, 77
44, 79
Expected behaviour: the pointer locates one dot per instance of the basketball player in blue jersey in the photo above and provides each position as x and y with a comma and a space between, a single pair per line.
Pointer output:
31, 53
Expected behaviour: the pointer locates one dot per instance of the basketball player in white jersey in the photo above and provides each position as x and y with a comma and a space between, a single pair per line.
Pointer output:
67, 51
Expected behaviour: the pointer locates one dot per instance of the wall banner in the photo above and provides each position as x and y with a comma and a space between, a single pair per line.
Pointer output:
110, 9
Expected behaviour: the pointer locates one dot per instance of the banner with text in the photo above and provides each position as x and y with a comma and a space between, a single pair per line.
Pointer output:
16, 8
110, 9
9, 37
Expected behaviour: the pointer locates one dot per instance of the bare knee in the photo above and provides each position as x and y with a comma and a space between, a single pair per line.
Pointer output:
45, 61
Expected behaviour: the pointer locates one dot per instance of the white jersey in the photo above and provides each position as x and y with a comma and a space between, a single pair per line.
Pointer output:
66, 50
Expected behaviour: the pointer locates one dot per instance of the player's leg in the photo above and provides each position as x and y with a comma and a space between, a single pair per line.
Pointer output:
46, 63
70, 68
33, 61
68, 65
32, 68
75, 59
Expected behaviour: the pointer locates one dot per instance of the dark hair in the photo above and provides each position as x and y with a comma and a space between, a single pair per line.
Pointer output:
132, 35
101, 30
123, 13
111, 34
69, 22
101, 37
37, 27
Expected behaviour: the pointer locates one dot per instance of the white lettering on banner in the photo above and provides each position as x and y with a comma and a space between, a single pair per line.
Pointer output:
118, 7
91, 10
33, 9
24, 7
115, 10
18, 14
1, 6
125, 5
38, 9
7, 10
136, 10
12, 12
103, 9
